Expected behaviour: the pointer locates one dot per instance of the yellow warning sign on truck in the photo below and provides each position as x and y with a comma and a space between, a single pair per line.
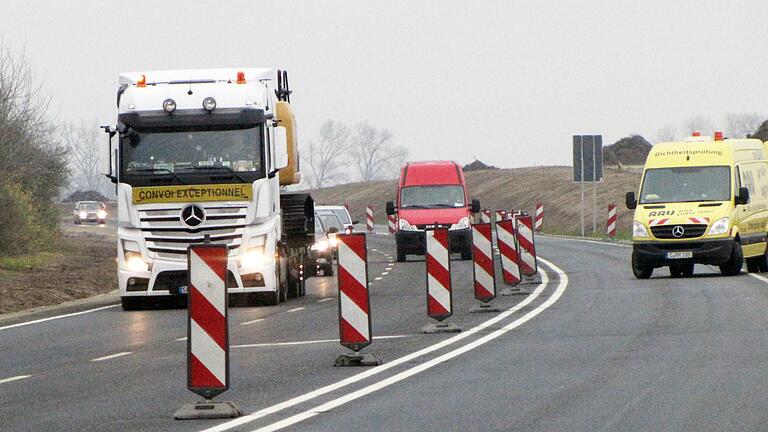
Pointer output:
192, 193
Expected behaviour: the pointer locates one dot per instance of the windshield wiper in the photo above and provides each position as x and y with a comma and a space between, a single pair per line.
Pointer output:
218, 168
153, 170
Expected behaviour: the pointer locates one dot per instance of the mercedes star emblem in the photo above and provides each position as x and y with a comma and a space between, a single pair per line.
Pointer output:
678, 231
192, 215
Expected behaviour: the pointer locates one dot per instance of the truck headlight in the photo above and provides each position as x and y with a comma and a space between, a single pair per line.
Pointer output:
405, 226
463, 223
638, 230
134, 262
720, 226
320, 246
253, 257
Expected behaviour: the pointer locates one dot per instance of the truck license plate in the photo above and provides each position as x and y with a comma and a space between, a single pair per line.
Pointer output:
183, 289
679, 255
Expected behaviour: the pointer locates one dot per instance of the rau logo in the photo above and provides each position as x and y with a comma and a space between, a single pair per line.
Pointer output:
661, 213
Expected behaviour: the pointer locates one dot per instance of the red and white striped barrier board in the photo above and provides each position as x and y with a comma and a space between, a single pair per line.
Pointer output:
391, 223
509, 214
354, 299
369, 218
439, 296
485, 216
539, 221
507, 243
501, 215
207, 329
482, 258
526, 245
611, 226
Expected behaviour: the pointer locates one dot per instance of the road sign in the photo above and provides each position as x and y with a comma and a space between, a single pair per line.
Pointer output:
587, 158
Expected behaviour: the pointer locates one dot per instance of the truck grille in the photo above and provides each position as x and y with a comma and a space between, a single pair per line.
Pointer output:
689, 231
168, 237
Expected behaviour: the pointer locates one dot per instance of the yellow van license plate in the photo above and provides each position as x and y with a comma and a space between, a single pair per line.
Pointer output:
679, 255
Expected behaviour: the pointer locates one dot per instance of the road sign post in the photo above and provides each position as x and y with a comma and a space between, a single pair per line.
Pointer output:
588, 168
207, 333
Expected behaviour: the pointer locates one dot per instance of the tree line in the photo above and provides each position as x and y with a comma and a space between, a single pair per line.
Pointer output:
343, 153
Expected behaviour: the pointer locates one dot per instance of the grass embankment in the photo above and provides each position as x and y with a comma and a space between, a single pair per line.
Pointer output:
519, 189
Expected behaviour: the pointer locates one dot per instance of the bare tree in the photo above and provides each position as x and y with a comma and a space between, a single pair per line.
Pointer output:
743, 124
373, 153
698, 123
666, 134
81, 140
325, 156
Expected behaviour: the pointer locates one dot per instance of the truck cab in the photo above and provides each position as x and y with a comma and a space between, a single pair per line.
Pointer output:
701, 201
201, 157
432, 194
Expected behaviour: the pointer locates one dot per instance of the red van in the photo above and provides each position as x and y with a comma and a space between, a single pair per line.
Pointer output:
432, 194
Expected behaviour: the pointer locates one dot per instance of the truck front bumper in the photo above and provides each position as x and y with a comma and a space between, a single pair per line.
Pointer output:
655, 254
414, 242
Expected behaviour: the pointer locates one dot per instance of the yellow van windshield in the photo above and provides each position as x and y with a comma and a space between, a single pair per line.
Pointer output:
686, 184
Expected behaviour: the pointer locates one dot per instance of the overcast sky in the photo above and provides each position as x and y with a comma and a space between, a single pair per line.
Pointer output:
507, 82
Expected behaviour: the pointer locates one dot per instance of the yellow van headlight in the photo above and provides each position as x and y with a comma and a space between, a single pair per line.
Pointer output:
720, 226
638, 230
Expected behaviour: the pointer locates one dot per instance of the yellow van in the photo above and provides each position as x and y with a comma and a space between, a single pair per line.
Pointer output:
701, 201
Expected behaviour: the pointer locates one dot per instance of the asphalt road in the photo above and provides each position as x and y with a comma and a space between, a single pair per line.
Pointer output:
590, 349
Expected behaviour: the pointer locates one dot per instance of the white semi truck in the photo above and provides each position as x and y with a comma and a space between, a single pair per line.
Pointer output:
204, 156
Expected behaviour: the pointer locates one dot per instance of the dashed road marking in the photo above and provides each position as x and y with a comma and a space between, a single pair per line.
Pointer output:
252, 321
378, 278
15, 378
112, 356
295, 309
57, 317
181, 339
384, 273
325, 300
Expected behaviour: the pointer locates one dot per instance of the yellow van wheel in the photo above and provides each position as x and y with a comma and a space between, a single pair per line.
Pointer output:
640, 271
732, 267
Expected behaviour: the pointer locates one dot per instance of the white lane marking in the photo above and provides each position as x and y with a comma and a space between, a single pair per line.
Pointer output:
561, 286
374, 249
325, 300
295, 309
379, 369
758, 277
181, 339
16, 378
279, 344
384, 273
389, 268
378, 278
252, 321
111, 356
56, 317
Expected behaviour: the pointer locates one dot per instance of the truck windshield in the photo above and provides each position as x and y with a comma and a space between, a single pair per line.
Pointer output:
686, 184
432, 196
193, 155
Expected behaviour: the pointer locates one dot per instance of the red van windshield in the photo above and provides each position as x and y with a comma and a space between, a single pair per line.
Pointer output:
432, 196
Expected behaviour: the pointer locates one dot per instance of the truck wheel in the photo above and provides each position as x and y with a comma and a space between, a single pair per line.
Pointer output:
400, 253
270, 298
732, 267
131, 303
640, 271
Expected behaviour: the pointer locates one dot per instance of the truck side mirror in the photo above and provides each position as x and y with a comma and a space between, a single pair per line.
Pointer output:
743, 197
105, 157
475, 206
631, 201
390, 208
281, 148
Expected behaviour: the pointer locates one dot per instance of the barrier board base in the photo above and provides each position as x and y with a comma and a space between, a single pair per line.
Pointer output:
513, 292
531, 280
485, 308
207, 410
356, 359
441, 327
